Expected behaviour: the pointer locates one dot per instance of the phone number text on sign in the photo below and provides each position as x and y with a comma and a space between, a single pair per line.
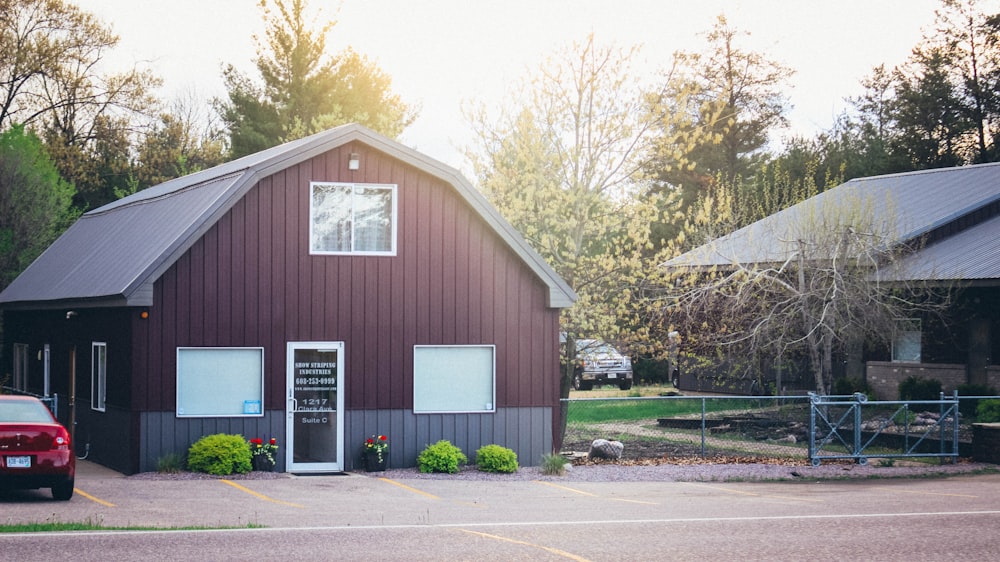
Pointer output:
328, 381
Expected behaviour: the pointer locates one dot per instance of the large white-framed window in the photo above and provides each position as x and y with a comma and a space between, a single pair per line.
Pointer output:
220, 382
352, 218
454, 378
20, 381
906, 341
98, 375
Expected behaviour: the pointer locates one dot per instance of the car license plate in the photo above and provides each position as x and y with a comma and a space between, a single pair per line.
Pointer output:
18, 462
612, 375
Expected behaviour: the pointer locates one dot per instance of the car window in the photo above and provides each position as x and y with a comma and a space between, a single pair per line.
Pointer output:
24, 411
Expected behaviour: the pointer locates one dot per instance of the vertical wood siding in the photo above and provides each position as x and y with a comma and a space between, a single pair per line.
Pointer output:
250, 281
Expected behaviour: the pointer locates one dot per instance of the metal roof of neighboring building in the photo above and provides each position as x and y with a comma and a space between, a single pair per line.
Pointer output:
972, 255
112, 255
902, 207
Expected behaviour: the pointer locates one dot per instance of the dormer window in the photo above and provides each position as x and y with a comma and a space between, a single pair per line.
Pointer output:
352, 218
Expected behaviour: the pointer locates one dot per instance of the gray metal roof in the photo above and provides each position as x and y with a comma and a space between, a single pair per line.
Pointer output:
902, 206
972, 255
114, 254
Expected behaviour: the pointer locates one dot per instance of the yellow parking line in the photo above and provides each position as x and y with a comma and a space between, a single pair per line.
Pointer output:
582, 493
555, 551
925, 493
575, 491
261, 496
405, 487
741, 492
92, 498
633, 501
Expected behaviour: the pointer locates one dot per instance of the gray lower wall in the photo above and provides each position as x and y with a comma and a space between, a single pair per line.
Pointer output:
162, 433
528, 431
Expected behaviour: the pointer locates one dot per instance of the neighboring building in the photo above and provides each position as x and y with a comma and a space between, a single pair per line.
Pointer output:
954, 216
319, 292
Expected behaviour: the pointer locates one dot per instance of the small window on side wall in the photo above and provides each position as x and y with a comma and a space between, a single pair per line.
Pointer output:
454, 378
346, 218
220, 382
906, 341
98, 375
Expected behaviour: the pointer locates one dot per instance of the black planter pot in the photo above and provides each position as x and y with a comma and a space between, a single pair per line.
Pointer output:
262, 463
372, 463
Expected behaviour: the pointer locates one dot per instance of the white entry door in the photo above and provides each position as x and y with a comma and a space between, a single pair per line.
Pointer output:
315, 410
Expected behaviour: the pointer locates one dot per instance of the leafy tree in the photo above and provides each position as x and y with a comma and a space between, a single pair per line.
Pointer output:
970, 41
180, 144
100, 167
563, 161
737, 100
938, 109
931, 128
302, 89
35, 203
50, 82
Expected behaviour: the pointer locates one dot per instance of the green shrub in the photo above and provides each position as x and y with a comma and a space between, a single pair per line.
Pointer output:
494, 458
844, 386
441, 457
169, 463
968, 407
553, 465
988, 411
220, 454
904, 417
919, 388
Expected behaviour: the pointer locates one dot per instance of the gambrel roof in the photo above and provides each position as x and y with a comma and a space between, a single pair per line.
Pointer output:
113, 255
956, 210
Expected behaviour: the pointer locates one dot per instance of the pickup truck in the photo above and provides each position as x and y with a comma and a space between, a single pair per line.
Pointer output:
598, 363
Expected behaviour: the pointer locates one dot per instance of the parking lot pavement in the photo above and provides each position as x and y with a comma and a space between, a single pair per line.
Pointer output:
364, 500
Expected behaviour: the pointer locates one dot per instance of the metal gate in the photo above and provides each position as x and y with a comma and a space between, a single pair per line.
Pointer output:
851, 427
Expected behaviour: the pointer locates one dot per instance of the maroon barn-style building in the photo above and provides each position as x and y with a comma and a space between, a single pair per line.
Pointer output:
319, 292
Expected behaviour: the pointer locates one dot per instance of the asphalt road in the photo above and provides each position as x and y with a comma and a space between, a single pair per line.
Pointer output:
361, 517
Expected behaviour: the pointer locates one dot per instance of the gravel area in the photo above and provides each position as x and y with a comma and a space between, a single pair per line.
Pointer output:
706, 472
680, 470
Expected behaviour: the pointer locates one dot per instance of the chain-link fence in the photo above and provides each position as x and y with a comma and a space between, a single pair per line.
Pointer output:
742, 427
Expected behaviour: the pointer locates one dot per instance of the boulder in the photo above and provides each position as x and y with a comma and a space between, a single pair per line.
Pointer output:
604, 449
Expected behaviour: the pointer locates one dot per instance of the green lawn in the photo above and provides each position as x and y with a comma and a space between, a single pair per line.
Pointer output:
55, 526
596, 411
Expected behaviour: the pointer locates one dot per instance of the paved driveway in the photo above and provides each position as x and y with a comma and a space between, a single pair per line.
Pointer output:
361, 517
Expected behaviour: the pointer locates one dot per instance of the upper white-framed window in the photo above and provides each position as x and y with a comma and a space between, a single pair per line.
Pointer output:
20, 381
98, 375
220, 382
352, 218
454, 378
906, 341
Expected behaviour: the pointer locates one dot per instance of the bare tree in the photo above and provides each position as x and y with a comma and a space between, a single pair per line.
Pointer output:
814, 279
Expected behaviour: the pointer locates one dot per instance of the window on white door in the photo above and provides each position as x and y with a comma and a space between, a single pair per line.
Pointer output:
20, 381
98, 375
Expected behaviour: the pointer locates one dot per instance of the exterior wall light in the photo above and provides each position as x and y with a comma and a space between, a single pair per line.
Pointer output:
355, 162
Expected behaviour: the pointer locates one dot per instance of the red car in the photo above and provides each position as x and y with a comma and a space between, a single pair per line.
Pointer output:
35, 451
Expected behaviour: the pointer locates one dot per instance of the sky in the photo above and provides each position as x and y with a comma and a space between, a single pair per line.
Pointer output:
443, 54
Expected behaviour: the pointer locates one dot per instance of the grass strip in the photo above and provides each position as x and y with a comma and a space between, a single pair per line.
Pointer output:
57, 526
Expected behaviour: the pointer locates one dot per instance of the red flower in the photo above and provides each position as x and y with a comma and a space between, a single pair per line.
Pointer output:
370, 441
274, 441
383, 438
